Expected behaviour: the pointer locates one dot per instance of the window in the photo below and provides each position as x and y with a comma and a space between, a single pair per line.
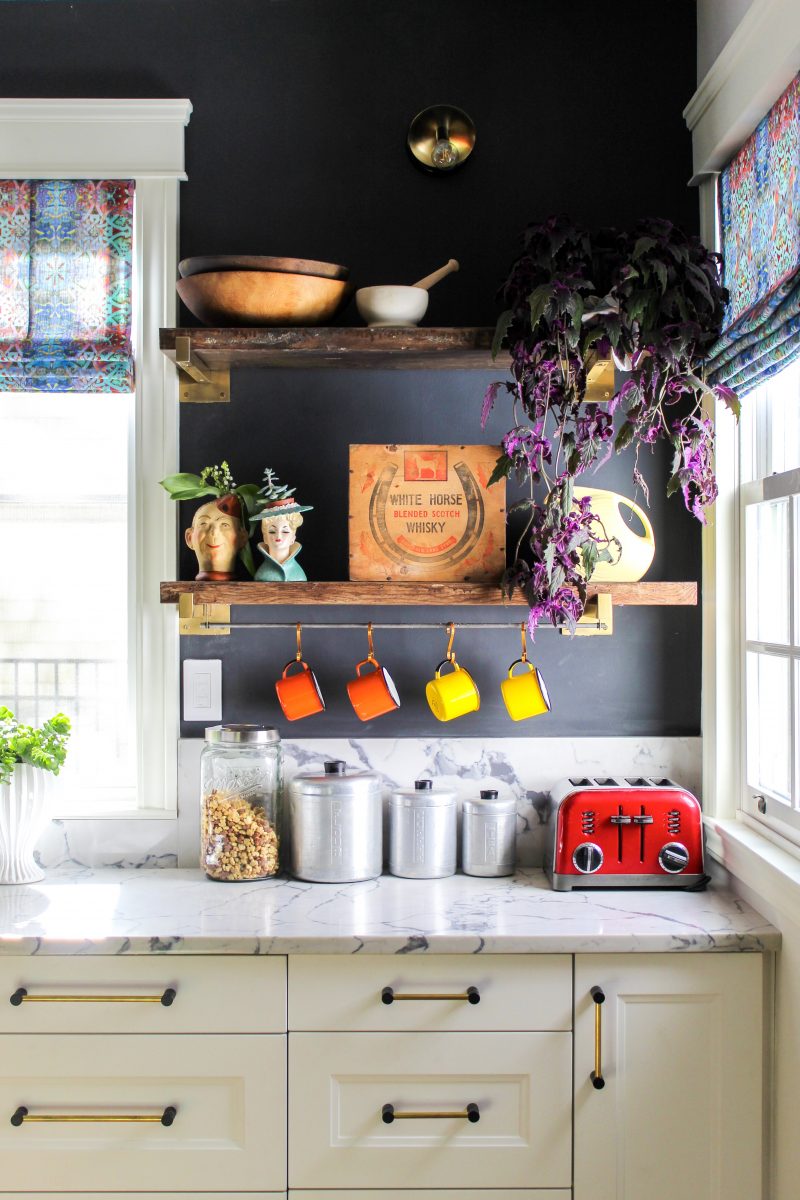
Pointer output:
66, 631
770, 557
106, 650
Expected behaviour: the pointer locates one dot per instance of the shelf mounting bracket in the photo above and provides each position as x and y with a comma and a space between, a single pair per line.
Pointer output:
199, 383
597, 619
201, 620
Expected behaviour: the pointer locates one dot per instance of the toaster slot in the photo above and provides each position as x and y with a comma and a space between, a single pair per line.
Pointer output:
581, 783
640, 783
606, 782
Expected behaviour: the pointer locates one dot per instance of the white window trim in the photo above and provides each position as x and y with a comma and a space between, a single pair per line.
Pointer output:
752, 70
141, 140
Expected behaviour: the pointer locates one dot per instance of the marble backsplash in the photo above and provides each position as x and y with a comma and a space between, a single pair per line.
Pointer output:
523, 768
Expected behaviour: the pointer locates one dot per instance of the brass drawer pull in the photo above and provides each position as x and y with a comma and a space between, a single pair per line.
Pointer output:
20, 996
471, 995
388, 1114
165, 1118
598, 996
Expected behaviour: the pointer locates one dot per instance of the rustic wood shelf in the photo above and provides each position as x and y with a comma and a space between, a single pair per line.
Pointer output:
407, 594
394, 349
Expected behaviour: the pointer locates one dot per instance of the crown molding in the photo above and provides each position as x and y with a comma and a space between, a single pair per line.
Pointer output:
757, 63
88, 138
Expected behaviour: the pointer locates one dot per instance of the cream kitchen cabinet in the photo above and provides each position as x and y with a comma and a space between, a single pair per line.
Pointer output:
680, 1053
514, 1035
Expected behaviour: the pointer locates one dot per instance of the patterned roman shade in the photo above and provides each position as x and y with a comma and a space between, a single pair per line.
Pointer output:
760, 223
65, 285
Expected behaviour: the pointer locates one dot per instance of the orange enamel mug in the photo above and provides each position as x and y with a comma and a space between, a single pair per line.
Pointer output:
299, 693
372, 694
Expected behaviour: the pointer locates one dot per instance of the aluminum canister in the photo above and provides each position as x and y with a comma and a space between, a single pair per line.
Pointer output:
489, 835
336, 825
422, 832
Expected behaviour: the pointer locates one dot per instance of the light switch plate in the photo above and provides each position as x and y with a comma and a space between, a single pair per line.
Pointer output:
202, 689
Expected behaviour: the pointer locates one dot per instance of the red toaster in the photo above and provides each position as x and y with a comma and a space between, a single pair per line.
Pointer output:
623, 833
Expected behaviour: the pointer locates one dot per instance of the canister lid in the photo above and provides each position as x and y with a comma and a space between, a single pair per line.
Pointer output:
336, 780
490, 804
422, 795
242, 735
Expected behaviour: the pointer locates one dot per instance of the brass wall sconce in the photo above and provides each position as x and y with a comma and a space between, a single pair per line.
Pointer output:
441, 138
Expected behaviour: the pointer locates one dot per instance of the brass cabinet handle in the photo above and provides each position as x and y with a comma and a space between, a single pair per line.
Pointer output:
598, 996
471, 995
389, 1114
20, 996
165, 1118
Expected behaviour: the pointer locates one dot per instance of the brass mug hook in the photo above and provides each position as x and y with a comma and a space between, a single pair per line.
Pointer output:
524, 643
371, 654
299, 655
451, 631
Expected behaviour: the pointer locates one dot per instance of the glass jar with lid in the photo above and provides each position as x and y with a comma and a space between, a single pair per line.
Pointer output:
240, 819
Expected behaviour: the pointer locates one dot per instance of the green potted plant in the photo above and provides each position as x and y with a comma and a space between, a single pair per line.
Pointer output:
653, 299
28, 759
220, 528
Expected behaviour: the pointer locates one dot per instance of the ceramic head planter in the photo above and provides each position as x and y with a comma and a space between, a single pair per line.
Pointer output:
217, 536
280, 516
219, 532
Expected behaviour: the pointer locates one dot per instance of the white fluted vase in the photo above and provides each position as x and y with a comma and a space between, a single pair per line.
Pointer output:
24, 813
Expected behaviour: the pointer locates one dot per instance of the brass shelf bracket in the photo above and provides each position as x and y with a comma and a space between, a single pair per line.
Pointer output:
597, 619
203, 620
199, 383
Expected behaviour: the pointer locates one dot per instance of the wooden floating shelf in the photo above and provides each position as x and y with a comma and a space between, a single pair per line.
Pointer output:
394, 349
407, 594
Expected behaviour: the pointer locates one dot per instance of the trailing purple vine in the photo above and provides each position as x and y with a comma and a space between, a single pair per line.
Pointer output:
653, 300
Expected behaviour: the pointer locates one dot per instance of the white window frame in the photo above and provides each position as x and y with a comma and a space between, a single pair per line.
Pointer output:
141, 140
772, 487
753, 69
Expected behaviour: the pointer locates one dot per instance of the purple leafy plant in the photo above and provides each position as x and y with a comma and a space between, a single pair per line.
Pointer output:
653, 299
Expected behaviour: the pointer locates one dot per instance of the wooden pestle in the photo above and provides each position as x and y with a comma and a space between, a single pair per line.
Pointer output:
434, 277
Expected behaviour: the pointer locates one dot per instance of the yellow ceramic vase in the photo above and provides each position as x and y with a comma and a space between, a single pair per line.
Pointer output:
637, 549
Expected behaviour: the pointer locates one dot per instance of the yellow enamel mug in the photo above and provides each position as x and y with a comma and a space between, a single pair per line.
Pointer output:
525, 695
452, 695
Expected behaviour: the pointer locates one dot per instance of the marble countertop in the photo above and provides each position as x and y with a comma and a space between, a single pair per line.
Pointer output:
180, 912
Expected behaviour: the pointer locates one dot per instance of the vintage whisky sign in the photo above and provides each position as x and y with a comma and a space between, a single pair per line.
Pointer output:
425, 512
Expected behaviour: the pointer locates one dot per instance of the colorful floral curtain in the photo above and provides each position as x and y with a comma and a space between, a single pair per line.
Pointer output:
65, 285
760, 222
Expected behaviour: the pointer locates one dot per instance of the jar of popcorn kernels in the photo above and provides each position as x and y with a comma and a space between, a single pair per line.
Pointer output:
240, 786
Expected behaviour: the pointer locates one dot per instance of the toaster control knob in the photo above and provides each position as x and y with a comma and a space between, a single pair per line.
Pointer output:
588, 857
673, 858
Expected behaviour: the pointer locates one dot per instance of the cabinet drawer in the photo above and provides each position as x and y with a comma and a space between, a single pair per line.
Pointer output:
524, 992
438, 1194
226, 994
228, 1133
339, 1084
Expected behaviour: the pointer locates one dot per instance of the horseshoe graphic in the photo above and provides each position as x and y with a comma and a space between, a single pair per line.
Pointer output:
476, 516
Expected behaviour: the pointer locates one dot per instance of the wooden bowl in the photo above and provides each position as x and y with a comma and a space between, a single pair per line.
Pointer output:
201, 263
220, 298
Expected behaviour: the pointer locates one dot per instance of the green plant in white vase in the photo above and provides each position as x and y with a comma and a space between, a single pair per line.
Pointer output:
28, 759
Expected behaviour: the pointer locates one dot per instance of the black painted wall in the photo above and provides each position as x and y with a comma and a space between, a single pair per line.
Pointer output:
296, 147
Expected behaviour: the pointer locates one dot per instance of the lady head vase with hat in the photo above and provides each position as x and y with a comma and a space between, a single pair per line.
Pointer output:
280, 515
